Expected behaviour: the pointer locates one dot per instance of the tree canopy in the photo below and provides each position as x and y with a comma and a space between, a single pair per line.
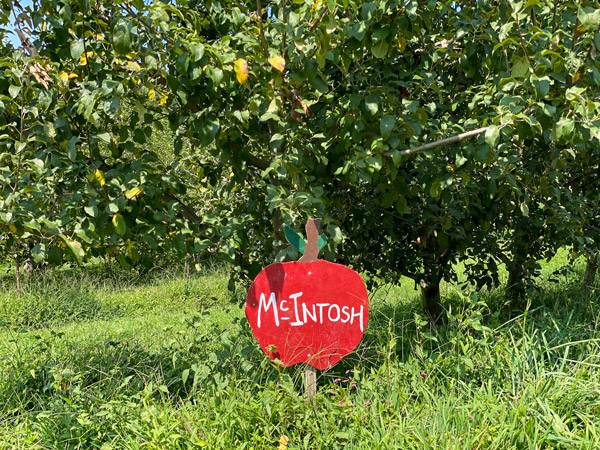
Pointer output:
287, 110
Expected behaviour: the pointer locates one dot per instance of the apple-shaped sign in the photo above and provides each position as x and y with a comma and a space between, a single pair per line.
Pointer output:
314, 312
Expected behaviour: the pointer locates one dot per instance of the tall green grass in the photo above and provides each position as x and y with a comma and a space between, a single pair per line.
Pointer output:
114, 362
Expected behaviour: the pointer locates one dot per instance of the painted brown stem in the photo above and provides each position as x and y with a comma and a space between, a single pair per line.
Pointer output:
311, 252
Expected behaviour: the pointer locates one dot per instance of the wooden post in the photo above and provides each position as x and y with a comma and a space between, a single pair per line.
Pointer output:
310, 381
311, 254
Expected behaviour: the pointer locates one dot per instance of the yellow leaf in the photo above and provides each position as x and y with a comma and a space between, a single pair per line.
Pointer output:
100, 177
241, 70
72, 75
151, 94
283, 442
163, 100
99, 37
277, 62
401, 43
134, 64
132, 193
315, 6
12, 228
84, 58
575, 77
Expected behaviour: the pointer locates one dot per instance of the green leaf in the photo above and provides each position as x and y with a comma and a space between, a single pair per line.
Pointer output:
294, 239
77, 49
197, 51
102, 137
358, 31
380, 49
388, 199
542, 86
38, 253
13, 91
122, 36
386, 125
492, 134
184, 375
319, 85
71, 148
563, 129
75, 248
372, 103
55, 255
589, 17
215, 74
91, 210
520, 68
119, 223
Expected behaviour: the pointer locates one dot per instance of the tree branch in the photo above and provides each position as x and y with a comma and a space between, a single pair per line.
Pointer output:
440, 143
575, 27
187, 211
259, 163
318, 21
263, 41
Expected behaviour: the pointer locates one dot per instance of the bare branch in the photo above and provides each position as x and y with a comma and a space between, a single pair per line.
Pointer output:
440, 143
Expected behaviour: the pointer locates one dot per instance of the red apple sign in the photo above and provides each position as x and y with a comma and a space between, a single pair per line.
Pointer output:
313, 312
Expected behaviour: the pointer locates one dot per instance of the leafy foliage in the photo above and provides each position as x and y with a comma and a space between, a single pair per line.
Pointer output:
304, 109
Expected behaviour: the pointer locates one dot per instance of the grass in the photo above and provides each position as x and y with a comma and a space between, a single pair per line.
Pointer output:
96, 359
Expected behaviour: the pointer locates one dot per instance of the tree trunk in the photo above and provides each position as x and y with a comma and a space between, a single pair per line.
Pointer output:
18, 273
432, 304
515, 285
590, 271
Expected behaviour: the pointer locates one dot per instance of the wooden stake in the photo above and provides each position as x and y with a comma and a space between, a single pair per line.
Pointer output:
311, 254
310, 380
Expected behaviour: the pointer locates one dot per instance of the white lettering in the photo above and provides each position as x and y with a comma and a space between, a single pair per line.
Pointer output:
272, 302
298, 322
359, 315
313, 316
346, 312
333, 305
321, 306
304, 313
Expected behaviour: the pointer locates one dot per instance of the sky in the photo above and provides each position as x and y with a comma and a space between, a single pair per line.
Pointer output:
12, 37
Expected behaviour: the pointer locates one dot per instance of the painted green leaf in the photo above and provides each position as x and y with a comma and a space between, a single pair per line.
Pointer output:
322, 241
298, 242
294, 239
